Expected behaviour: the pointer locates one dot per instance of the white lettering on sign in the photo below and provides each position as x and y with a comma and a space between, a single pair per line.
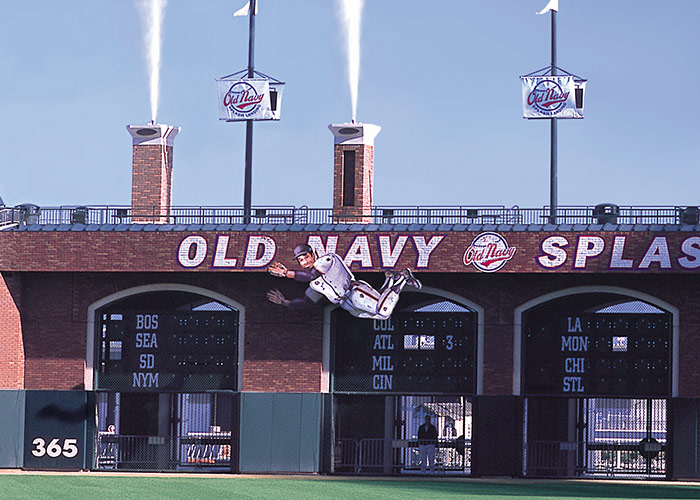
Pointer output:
220, 259
192, 251
359, 251
54, 449
555, 253
424, 249
389, 256
316, 243
657, 253
588, 247
691, 248
574, 343
147, 379
261, 250
146, 340
616, 259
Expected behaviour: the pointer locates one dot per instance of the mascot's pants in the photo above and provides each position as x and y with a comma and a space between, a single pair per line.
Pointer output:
364, 301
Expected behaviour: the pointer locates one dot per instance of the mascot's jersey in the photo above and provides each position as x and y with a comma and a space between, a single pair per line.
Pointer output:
335, 280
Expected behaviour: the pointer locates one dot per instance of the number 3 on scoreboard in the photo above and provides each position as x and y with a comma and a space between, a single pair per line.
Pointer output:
54, 449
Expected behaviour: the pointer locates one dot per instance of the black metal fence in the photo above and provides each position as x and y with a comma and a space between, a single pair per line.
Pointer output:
617, 438
612, 459
396, 456
361, 419
178, 431
158, 453
496, 214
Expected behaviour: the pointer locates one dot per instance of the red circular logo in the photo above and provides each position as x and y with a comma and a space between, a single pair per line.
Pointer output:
489, 252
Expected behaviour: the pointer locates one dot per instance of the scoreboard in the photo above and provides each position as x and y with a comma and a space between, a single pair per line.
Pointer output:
596, 354
155, 351
411, 352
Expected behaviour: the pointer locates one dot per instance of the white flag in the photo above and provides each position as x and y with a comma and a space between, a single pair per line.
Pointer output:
552, 5
243, 11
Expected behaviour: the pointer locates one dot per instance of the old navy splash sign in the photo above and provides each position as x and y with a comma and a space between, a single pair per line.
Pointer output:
548, 98
489, 252
242, 99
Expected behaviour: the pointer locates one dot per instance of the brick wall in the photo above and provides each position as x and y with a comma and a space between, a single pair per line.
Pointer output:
283, 349
50, 279
11, 344
149, 250
364, 183
152, 173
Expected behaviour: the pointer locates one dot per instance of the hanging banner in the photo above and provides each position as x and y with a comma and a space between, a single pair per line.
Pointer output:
552, 97
248, 99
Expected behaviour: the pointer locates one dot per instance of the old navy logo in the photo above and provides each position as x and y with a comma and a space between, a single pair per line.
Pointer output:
489, 252
243, 98
548, 97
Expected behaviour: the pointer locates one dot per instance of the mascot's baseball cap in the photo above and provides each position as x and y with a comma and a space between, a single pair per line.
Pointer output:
302, 249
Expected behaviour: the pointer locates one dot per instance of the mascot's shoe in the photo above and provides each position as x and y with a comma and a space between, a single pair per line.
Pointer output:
390, 278
411, 280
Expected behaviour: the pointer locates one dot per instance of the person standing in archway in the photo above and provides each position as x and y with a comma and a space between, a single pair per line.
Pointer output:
427, 440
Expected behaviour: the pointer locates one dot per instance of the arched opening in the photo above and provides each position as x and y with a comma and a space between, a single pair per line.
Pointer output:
166, 368
387, 376
596, 373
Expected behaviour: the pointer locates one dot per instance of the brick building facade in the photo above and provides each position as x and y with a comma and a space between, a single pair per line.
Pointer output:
56, 277
143, 338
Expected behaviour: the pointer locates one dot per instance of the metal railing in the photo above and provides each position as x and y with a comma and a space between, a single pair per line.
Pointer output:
397, 456
158, 453
575, 459
7, 218
421, 215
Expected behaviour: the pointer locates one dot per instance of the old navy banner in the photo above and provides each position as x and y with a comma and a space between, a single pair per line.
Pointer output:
247, 99
550, 97
197, 249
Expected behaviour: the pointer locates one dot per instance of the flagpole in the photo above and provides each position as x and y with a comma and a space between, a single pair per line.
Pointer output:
248, 175
553, 195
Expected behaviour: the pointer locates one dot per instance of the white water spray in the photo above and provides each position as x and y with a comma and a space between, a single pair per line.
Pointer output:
352, 15
152, 13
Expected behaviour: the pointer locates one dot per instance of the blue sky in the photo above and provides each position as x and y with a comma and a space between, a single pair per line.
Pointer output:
440, 77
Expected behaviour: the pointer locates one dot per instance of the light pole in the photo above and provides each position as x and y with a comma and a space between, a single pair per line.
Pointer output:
553, 195
248, 175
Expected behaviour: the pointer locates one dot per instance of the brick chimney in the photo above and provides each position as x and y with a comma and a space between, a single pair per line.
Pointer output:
353, 171
152, 172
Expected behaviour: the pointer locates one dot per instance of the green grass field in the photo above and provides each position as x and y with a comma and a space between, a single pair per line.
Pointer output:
126, 487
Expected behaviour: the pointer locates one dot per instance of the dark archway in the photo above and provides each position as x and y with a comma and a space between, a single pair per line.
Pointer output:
166, 369
596, 375
388, 375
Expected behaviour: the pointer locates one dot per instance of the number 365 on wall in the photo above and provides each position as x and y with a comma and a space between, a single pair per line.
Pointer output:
54, 449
